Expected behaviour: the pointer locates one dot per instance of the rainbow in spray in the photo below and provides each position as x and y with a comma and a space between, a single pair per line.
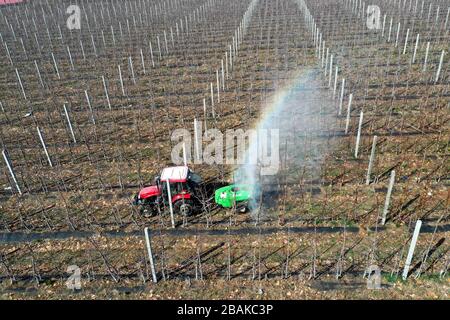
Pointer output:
262, 158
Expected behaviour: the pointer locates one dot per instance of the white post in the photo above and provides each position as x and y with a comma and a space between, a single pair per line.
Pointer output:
335, 81
90, 106
93, 45
197, 144
121, 81
212, 101
70, 58
331, 71
323, 53
106, 92
218, 86
406, 41
388, 197
358, 137
411, 249
151, 53
440, 66
223, 77
426, 57
44, 146
226, 63
205, 115
11, 171
398, 33
39, 74
347, 120
69, 124
372, 158
390, 29
21, 85
342, 96
56, 66
143, 61
150, 255
184, 155
170, 204
132, 69
415, 48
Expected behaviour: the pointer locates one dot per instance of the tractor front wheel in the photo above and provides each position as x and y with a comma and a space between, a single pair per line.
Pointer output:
184, 207
148, 210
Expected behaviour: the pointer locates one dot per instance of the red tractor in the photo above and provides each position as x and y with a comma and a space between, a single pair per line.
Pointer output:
183, 183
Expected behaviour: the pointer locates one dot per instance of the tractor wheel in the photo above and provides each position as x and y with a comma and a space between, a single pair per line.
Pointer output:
148, 210
184, 207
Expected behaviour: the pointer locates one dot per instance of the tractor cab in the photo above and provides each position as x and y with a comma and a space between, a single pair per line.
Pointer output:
182, 183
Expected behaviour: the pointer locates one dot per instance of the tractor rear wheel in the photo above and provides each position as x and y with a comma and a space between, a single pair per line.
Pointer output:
184, 207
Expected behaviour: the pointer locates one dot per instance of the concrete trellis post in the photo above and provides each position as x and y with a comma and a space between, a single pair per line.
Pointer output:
212, 101
231, 58
341, 101
70, 58
159, 48
425, 61
106, 92
411, 249
82, 50
121, 81
132, 69
388, 197
11, 170
44, 146
143, 61
20, 83
151, 53
150, 255
331, 71
8, 53
372, 159
406, 41
205, 115
223, 77
184, 155
398, 34
218, 86
358, 136
56, 66
90, 106
169, 194
39, 74
93, 46
438, 72
335, 81
69, 123
226, 63
323, 53
390, 30
415, 48
349, 107
197, 142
